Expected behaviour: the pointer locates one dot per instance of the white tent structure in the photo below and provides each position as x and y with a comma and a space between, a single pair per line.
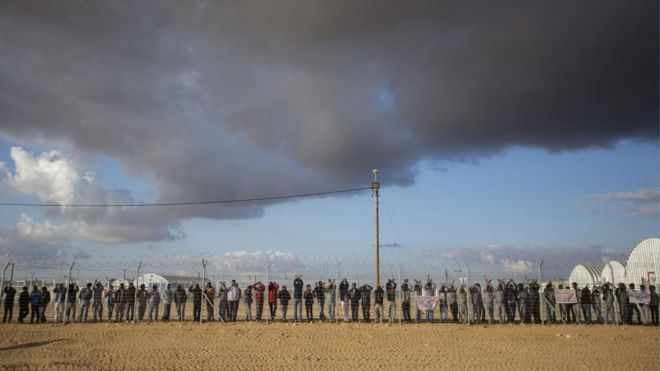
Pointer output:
585, 275
151, 279
613, 272
643, 263
116, 282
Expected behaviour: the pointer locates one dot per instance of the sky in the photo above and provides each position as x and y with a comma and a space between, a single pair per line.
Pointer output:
504, 132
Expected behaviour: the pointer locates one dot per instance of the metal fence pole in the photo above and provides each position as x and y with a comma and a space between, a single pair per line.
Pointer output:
2, 283
203, 287
541, 309
400, 296
467, 287
66, 294
135, 315
336, 291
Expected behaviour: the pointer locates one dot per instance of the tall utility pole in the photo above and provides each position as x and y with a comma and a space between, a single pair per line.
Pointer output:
374, 187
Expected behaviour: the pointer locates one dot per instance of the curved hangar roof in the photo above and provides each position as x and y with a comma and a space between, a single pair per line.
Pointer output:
643, 265
585, 275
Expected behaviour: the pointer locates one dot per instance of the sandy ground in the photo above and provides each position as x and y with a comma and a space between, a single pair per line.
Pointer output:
251, 346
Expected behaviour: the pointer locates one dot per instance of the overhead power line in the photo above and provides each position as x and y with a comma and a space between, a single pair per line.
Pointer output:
211, 202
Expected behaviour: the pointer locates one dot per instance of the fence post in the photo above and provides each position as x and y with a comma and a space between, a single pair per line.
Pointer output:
66, 294
2, 283
135, 311
203, 287
336, 291
467, 288
400, 296
541, 308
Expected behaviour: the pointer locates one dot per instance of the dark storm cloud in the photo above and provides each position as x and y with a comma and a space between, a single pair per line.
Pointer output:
217, 100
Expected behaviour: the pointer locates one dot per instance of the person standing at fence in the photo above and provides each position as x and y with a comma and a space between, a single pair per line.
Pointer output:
510, 296
97, 301
120, 303
453, 302
85, 297
319, 293
309, 303
586, 305
43, 304
390, 290
489, 301
563, 312
233, 300
429, 290
273, 287
259, 290
405, 300
365, 293
577, 308
596, 303
224, 309
534, 301
523, 293
297, 299
284, 296
131, 293
331, 296
462, 304
442, 302
60, 293
168, 297
209, 298
180, 298
608, 301
35, 302
247, 294
10, 295
417, 291
109, 302
378, 300
476, 301
142, 296
355, 295
622, 300
637, 307
550, 301
653, 305
154, 303
71, 305
23, 304
196, 292
344, 297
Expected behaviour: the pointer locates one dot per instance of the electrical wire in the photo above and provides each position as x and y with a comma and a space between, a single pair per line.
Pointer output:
241, 200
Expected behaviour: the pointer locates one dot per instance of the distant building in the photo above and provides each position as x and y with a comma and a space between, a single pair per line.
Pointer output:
613, 272
586, 275
642, 267
644, 262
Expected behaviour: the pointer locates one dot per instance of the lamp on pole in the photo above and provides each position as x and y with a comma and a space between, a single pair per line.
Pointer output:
375, 186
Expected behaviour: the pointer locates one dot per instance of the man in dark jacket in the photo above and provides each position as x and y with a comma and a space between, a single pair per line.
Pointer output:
365, 292
23, 304
97, 301
297, 298
86, 295
319, 293
35, 301
533, 300
510, 296
180, 298
344, 297
586, 304
71, 294
10, 295
120, 303
355, 294
196, 292
284, 297
309, 303
142, 296
45, 299
405, 300
130, 302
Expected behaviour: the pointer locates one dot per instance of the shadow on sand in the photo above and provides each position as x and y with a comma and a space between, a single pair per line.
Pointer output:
30, 345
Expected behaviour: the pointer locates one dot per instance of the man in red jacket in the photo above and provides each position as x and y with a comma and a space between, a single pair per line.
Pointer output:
272, 299
259, 289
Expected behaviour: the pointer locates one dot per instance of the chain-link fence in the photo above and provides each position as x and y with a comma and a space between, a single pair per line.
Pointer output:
273, 286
